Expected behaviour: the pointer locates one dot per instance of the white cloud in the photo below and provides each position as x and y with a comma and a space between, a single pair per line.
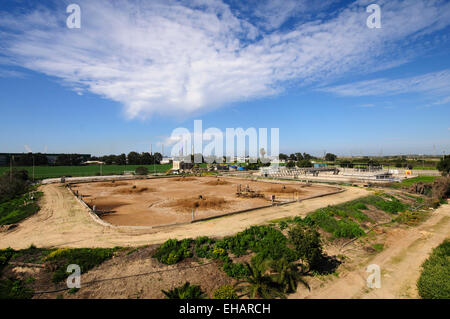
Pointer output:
174, 58
435, 82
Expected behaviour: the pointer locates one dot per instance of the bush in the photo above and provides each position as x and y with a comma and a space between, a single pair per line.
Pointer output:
5, 256
14, 289
235, 270
86, 258
444, 165
225, 292
185, 292
141, 170
13, 185
339, 228
173, 251
307, 244
434, 281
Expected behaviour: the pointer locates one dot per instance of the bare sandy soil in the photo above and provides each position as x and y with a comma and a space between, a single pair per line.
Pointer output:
64, 222
406, 248
171, 200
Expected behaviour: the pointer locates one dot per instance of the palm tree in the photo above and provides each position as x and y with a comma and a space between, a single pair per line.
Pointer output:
288, 275
185, 292
258, 284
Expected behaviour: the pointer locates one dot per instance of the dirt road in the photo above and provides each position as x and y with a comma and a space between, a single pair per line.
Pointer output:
64, 222
400, 263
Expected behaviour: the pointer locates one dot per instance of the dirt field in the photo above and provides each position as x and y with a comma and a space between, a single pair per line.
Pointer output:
171, 200
406, 248
64, 222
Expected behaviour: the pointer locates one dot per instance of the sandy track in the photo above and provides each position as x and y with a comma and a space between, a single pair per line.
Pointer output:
400, 263
64, 222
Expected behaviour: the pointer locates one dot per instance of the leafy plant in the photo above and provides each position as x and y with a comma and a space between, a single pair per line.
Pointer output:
258, 284
225, 292
185, 292
14, 289
307, 244
86, 258
173, 251
288, 275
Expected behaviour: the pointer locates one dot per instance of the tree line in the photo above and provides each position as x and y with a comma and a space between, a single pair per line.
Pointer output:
133, 158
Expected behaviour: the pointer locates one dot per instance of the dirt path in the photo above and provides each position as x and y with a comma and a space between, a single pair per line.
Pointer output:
400, 263
64, 222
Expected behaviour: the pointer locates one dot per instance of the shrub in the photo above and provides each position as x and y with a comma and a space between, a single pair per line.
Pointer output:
307, 244
173, 251
185, 292
14, 289
339, 228
13, 185
434, 281
141, 170
235, 270
86, 258
225, 292
5, 256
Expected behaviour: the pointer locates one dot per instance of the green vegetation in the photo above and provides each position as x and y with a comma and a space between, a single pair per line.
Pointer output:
185, 292
141, 170
434, 281
258, 284
15, 210
12, 288
18, 200
86, 258
378, 247
444, 165
410, 181
225, 292
42, 172
173, 251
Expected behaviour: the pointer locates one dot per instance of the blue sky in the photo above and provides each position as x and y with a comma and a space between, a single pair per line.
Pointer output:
136, 70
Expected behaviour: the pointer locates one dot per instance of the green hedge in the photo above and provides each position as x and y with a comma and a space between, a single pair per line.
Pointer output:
434, 281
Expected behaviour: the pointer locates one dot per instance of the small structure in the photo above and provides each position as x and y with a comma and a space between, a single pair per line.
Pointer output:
181, 167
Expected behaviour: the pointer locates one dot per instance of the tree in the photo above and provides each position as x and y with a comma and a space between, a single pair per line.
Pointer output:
307, 244
146, 158
329, 157
185, 292
290, 164
304, 163
258, 284
444, 165
288, 275
13, 184
307, 157
134, 158
283, 157
121, 159
298, 156
292, 157
157, 157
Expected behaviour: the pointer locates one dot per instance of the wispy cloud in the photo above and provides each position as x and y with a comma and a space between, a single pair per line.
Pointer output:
11, 74
435, 82
183, 57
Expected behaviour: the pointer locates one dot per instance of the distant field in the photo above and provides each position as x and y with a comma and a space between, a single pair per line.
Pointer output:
431, 168
408, 182
42, 172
